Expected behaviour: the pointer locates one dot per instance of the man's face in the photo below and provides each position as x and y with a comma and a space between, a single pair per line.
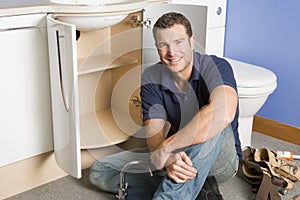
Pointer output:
175, 48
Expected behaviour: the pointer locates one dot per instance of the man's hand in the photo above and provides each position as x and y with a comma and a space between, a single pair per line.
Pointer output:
180, 168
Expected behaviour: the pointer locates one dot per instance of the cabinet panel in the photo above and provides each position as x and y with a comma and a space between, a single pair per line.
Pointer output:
216, 10
64, 91
25, 103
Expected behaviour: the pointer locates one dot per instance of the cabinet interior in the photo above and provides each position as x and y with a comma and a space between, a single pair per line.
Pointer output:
109, 71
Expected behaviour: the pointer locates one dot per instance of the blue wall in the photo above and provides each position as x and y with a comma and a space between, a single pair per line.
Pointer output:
267, 33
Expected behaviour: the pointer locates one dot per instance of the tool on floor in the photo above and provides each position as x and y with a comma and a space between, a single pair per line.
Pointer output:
289, 155
123, 186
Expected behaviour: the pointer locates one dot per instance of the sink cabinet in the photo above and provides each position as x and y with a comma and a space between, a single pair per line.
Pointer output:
95, 79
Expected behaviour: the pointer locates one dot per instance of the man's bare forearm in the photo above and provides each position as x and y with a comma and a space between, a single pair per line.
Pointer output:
207, 123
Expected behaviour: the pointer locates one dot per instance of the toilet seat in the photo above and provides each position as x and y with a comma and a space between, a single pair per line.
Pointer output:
252, 80
256, 92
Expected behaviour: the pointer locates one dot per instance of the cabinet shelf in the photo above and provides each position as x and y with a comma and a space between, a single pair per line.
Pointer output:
99, 129
102, 62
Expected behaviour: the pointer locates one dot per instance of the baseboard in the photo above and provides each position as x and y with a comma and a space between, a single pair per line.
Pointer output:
277, 130
27, 174
32, 172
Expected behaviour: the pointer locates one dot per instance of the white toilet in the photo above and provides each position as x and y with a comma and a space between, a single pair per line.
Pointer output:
254, 85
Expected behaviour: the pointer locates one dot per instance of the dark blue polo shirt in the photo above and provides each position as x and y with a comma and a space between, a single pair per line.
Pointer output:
162, 99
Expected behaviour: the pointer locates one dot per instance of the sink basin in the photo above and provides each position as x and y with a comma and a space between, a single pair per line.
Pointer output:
97, 14
85, 22
94, 2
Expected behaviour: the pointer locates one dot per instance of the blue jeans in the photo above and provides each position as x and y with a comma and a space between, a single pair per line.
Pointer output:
216, 157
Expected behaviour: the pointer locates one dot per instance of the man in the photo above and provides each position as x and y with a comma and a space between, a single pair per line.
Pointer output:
194, 98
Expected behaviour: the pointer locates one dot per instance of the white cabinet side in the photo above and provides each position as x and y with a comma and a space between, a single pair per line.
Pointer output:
25, 103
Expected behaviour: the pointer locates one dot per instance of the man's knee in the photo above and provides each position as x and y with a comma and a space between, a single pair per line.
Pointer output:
104, 177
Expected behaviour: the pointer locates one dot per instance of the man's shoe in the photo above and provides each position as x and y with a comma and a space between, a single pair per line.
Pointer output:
210, 190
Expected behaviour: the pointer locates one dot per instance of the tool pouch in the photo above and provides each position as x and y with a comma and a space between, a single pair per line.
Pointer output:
267, 173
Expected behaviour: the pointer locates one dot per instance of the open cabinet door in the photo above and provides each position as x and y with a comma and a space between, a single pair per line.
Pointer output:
197, 15
64, 91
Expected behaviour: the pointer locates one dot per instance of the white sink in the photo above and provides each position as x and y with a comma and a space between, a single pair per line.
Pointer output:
85, 22
101, 13
93, 2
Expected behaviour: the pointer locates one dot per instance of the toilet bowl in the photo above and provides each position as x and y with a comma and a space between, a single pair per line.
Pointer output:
254, 85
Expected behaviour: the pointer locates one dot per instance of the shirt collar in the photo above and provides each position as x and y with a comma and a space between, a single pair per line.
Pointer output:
167, 76
196, 66
167, 82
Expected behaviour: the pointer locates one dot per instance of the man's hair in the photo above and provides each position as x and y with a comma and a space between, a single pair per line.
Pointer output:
168, 20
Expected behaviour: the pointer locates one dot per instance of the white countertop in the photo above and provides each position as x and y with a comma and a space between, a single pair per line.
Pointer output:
20, 7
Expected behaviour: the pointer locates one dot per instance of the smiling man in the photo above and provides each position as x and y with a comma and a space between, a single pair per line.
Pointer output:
190, 112
197, 95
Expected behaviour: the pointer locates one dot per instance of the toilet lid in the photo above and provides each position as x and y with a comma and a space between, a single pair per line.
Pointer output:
251, 76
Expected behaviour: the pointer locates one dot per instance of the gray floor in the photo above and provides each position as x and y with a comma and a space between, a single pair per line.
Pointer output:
235, 189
